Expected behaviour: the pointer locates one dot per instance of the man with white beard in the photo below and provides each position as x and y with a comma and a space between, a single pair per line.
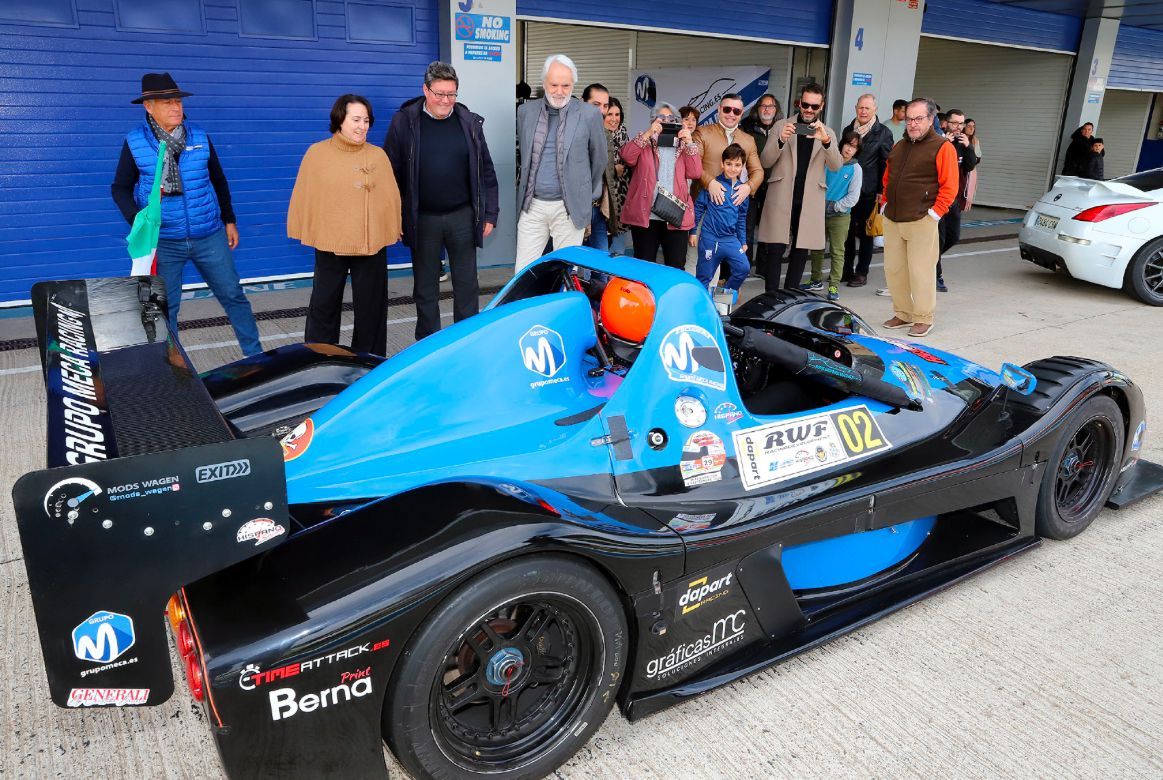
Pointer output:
562, 147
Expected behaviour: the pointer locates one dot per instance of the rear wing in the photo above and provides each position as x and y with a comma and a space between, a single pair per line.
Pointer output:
147, 490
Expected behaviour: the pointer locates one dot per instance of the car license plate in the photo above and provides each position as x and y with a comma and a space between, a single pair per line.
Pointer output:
1046, 223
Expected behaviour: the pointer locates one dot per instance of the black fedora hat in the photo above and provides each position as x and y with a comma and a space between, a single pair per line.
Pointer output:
158, 86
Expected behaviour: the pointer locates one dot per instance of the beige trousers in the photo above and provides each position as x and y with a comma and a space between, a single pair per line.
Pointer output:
545, 219
911, 252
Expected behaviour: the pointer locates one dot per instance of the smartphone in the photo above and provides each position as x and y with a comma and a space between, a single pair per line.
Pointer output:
669, 135
803, 128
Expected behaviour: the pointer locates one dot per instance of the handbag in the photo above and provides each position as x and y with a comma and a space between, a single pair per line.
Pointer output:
669, 207
875, 225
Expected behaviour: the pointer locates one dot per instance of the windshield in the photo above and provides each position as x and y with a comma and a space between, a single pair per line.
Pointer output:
1144, 180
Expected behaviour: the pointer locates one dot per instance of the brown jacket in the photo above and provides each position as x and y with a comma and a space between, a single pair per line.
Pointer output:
775, 222
712, 139
924, 177
345, 199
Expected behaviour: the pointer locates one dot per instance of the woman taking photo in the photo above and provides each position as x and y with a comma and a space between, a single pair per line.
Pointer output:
347, 206
658, 205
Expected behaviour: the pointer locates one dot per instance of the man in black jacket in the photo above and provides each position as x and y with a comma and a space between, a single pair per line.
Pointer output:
448, 190
950, 225
875, 145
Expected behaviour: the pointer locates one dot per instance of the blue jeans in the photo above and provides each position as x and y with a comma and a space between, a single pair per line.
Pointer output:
599, 237
713, 251
214, 262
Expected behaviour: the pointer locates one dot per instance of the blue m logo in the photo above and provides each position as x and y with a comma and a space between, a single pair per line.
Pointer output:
542, 350
103, 637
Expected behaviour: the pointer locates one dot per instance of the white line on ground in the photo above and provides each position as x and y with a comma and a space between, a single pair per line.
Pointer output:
298, 335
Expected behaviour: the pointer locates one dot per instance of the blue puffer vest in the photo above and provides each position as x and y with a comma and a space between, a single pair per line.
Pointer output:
195, 214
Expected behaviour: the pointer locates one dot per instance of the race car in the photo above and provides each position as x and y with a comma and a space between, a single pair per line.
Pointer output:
1105, 232
597, 492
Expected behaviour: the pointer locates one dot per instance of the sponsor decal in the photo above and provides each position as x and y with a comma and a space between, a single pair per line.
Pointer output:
690, 411
216, 471
703, 457
784, 450
704, 590
543, 353
147, 487
64, 499
923, 354
252, 677
725, 632
916, 385
84, 425
728, 412
297, 441
286, 703
684, 522
261, 529
107, 697
103, 637
1137, 442
691, 355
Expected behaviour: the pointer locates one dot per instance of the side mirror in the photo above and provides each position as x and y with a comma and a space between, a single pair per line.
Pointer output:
1018, 379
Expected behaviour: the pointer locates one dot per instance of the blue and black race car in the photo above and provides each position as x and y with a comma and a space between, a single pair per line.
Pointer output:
598, 491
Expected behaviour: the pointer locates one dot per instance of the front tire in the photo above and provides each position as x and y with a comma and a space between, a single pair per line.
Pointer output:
1145, 274
511, 675
1082, 469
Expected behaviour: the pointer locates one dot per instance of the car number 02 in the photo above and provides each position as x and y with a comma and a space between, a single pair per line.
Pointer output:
859, 431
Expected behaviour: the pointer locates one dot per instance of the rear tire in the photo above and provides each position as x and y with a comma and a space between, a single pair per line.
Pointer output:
511, 675
1145, 274
1082, 469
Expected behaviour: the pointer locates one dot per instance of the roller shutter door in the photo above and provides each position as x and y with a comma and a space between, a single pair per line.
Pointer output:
1121, 126
1017, 97
601, 55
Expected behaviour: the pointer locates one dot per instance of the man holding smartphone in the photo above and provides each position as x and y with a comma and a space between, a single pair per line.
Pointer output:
793, 214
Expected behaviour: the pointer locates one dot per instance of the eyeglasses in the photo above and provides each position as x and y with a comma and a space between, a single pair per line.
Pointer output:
443, 95
916, 120
811, 106
731, 110
954, 124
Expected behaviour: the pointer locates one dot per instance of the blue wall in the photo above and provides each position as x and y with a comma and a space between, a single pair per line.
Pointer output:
1138, 59
800, 21
995, 23
67, 81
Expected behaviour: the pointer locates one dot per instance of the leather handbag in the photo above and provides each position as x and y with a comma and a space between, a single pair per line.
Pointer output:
666, 205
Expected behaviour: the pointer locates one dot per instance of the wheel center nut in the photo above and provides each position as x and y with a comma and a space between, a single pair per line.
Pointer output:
504, 666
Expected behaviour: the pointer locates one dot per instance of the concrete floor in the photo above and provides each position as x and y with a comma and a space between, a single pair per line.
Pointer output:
1047, 666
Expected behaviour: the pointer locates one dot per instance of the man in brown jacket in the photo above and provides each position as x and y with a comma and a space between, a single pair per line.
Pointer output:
713, 139
920, 182
793, 213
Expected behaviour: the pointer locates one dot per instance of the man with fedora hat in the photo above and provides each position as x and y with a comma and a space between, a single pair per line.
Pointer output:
198, 222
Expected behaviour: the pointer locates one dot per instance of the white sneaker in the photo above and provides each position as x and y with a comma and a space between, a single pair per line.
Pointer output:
884, 293
443, 274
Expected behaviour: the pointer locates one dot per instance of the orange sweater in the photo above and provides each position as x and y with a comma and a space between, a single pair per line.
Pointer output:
920, 176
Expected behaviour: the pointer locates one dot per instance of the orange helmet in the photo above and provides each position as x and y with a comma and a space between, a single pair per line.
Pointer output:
627, 309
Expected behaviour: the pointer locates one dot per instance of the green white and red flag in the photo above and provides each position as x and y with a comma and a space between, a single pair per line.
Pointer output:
147, 225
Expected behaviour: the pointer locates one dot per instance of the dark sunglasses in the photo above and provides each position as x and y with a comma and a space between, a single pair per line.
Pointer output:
730, 110
811, 106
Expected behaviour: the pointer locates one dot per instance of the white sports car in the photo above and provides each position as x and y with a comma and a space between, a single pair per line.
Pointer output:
1106, 232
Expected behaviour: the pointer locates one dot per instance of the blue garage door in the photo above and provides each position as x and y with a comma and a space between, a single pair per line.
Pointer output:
264, 74
1138, 59
993, 22
791, 21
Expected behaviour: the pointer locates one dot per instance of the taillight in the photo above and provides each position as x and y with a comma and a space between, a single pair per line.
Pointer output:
175, 612
185, 641
194, 677
1100, 213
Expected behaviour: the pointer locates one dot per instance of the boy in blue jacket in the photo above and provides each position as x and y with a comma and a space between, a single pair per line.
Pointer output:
721, 229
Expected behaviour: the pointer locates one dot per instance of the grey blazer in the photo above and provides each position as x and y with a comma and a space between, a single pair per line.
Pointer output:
585, 155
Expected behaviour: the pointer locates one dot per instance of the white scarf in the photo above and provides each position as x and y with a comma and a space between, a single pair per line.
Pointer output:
862, 130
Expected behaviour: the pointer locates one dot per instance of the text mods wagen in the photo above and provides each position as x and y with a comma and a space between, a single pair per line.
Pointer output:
596, 492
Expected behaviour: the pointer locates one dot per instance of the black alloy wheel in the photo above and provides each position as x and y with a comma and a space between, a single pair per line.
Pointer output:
1144, 277
511, 675
1082, 469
